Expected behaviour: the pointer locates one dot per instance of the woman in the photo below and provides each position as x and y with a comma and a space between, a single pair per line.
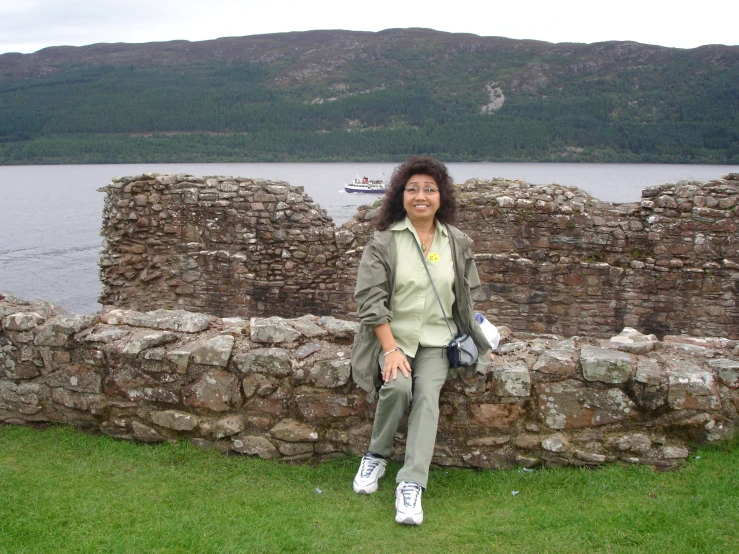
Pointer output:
400, 346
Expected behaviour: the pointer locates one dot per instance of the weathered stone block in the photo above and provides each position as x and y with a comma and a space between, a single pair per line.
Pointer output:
307, 327
354, 441
259, 384
571, 405
255, 446
273, 405
22, 321
528, 461
330, 374
20, 337
505, 201
165, 320
14, 364
638, 443
214, 351
269, 361
527, 441
144, 433
649, 385
512, 380
560, 360
558, 442
139, 341
489, 441
156, 354
135, 385
22, 370
102, 334
7, 353
339, 328
727, 370
76, 378
317, 407
607, 366
691, 388
229, 426
290, 430
632, 341
234, 323
593, 457
482, 460
180, 356
216, 390
24, 398
94, 403
91, 357
175, 419
675, 452
690, 349
494, 416
272, 330
57, 330
293, 450
306, 350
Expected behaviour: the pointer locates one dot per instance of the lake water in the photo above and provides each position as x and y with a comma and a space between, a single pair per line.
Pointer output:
50, 215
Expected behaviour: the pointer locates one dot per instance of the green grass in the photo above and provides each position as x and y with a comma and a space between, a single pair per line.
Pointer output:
65, 491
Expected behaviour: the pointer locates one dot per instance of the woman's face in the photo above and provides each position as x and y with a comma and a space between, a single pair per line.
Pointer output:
421, 198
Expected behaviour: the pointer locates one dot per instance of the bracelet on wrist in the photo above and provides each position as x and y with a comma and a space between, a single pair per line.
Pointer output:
391, 351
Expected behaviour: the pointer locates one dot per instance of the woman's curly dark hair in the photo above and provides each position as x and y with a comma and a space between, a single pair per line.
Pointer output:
392, 209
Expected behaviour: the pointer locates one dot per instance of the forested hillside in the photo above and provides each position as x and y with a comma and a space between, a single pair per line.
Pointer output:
356, 96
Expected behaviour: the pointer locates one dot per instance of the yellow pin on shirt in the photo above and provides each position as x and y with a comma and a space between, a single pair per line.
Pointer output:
434, 257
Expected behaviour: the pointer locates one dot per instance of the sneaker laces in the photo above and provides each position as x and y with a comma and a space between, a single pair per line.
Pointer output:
369, 464
411, 492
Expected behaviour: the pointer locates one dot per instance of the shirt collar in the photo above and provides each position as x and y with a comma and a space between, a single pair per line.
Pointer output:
405, 223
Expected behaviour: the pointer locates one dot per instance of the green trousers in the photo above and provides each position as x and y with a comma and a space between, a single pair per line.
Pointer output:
420, 390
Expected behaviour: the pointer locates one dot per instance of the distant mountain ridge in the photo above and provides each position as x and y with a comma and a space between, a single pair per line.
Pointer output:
349, 95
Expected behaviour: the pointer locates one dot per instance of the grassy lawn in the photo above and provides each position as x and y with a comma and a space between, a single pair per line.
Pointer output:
65, 491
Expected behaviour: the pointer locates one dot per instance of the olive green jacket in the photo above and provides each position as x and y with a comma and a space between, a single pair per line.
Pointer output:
375, 283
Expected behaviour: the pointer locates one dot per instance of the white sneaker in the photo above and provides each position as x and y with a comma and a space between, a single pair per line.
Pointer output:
408, 509
370, 472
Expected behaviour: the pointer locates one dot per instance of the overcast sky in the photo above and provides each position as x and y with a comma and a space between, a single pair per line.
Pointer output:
29, 25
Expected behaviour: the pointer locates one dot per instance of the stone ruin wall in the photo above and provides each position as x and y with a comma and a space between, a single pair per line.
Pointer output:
555, 260
555, 263
552, 259
219, 245
281, 389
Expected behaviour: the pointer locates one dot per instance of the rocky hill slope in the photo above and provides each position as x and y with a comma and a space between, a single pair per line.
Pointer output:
314, 96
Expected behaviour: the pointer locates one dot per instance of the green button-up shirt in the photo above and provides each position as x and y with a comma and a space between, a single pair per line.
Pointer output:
417, 317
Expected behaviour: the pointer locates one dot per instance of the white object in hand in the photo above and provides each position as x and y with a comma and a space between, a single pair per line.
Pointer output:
490, 330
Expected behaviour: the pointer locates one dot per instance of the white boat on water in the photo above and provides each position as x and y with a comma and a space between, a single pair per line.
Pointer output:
366, 185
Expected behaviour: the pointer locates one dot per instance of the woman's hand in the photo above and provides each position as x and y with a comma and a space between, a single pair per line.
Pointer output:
393, 362
394, 359
492, 356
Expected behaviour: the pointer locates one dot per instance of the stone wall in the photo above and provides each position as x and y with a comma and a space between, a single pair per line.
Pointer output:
219, 245
281, 388
552, 259
667, 265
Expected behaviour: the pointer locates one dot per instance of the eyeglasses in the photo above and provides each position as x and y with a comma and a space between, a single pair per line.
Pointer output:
426, 190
